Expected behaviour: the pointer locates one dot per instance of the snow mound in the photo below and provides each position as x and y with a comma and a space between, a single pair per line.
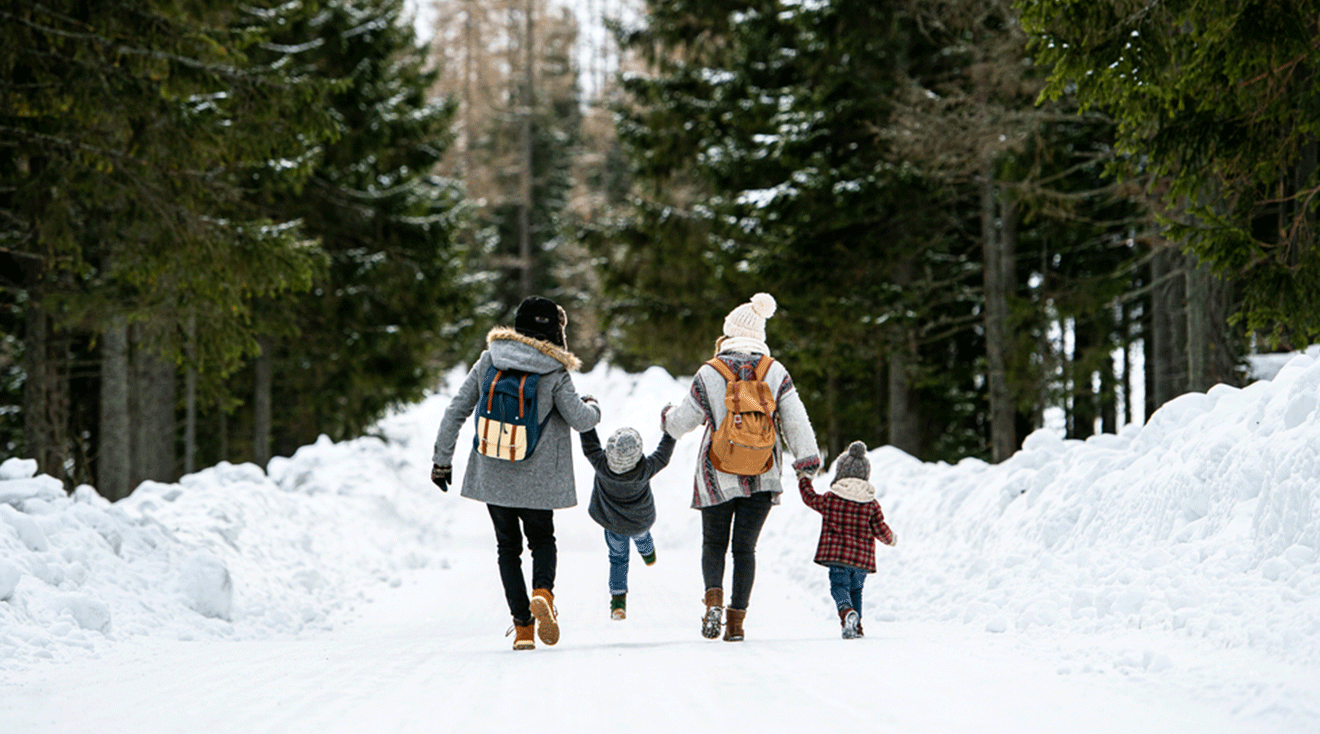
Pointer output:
1204, 522
231, 551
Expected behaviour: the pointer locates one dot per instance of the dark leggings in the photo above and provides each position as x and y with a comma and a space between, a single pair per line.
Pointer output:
746, 516
539, 526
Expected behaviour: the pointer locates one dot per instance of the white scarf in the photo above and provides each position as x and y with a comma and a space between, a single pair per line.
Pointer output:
745, 344
851, 488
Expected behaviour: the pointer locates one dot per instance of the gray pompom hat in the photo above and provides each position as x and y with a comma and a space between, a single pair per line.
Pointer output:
623, 450
853, 464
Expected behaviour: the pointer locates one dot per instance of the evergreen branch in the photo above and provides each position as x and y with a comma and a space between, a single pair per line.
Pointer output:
113, 45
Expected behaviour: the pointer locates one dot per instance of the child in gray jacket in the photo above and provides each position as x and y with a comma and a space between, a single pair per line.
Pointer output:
622, 503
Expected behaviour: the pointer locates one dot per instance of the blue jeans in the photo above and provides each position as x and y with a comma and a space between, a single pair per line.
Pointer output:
618, 545
846, 587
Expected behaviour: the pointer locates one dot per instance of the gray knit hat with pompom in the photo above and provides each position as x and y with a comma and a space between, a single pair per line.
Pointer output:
853, 464
623, 450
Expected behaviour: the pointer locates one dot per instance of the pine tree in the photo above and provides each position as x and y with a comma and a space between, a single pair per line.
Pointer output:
127, 126
388, 311
1217, 101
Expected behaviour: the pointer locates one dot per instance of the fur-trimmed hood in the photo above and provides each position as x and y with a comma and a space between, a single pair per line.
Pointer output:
506, 337
851, 488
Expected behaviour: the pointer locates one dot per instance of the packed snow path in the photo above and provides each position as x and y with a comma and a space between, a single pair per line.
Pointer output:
428, 657
1162, 580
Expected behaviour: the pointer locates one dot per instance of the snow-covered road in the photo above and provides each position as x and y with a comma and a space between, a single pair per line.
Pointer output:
428, 657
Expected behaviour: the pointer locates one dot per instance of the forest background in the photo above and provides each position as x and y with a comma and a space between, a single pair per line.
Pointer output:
227, 229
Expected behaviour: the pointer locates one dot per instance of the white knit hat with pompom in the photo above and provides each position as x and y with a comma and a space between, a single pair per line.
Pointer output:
748, 320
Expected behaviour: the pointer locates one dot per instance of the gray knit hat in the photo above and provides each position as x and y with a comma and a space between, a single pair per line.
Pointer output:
623, 450
853, 463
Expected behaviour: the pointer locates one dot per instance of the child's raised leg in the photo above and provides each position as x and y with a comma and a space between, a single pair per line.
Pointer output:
618, 546
646, 547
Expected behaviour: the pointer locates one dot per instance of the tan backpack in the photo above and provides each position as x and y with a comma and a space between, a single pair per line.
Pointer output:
744, 442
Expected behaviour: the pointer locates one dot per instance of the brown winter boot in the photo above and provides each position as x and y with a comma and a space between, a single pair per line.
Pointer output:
710, 622
733, 631
523, 640
547, 623
851, 623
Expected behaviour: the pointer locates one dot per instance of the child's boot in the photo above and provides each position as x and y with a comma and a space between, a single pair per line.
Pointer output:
649, 558
850, 621
733, 624
618, 606
710, 622
524, 639
547, 622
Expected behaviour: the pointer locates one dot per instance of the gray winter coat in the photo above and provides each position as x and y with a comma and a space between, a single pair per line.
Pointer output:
623, 503
545, 480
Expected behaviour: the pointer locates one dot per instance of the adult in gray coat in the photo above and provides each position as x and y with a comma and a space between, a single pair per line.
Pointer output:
527, 491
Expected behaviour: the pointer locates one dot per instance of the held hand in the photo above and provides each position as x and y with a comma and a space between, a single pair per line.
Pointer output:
590, 400
664, 415
442, 476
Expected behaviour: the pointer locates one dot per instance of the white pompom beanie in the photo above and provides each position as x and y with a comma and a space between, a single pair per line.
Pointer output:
748, 320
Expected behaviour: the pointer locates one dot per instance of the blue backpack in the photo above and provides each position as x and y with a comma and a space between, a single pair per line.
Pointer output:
506, 415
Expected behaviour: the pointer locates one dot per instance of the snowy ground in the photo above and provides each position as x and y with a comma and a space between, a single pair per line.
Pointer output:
1161, 580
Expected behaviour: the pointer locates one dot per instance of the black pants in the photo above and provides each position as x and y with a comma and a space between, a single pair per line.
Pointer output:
745, 516
539, 527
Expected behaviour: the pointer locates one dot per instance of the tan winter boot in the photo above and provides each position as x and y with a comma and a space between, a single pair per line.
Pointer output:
733, 624
710, 622
523, 640
851, 623
547, 623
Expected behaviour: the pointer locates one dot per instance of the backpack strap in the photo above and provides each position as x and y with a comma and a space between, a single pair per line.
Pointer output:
723, 369
490, 392
762, 369
522, 384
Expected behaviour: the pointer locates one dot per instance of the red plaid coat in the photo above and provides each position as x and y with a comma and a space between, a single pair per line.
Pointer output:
848, 529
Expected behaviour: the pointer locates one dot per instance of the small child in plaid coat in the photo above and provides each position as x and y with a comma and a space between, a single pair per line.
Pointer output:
851, 521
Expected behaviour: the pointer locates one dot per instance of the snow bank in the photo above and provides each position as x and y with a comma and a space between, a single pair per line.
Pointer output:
231, 551
1204, 522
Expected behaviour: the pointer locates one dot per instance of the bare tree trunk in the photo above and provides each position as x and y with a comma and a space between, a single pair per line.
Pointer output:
528, 99
114, 453
190, 402
832, 432
904, 423
1167, 354
1085, 404
261, 407
1200, 339
151, 404
469, 48
223, 430
1108, 396
1129, 414
1002, 440
45, 401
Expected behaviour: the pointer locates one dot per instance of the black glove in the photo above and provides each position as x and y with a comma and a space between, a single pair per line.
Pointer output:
442, 475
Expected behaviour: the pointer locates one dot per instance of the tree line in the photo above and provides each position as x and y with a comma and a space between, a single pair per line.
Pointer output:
221, 230
978, 215
228, 229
